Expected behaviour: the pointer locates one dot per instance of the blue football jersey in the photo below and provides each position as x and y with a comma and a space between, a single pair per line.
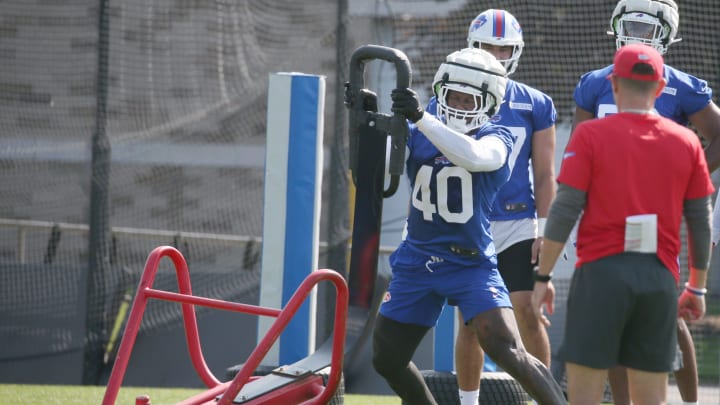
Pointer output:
449, 206
524, 112
683, 96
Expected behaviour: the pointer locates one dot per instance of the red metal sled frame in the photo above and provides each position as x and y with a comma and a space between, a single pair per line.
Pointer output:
310, 389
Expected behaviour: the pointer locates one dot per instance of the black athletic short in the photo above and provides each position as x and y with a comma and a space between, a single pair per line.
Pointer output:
515, 267
622, 310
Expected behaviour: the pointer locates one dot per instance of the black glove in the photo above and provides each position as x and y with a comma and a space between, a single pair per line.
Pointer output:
405, 102
348, 96
367, 98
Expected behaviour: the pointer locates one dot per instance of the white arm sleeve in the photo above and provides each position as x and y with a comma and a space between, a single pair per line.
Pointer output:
474, 155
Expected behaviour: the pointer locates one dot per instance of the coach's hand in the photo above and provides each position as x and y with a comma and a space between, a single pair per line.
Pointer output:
405, 102
543, 295
691, 307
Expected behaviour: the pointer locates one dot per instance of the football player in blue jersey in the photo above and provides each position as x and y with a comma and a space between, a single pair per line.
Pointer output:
457, 163
518, 214
685, 99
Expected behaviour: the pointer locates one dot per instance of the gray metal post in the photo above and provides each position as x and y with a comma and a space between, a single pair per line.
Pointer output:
98, 246
339, 221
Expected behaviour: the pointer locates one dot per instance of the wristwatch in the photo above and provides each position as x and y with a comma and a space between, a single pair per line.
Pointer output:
540, 277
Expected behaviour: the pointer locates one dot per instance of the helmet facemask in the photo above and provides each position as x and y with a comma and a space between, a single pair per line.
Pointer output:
650, 22
641, 28
473, 72
511, 63
460, 119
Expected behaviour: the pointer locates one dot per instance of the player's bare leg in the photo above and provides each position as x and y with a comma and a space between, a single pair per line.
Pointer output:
533, 332
617, 376
585, 385
468, 358
498, 335
686, 377
647, 388
394, 344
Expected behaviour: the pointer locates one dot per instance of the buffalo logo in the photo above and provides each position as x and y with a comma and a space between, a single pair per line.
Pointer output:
516, 26
442, 160
433, 260
387, 297
478, 22
495, 118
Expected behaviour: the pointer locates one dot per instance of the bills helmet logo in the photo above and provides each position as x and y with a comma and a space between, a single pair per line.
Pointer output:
516, 26
479, 22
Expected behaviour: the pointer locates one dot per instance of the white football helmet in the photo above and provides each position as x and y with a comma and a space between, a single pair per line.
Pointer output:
472, 71
650, 22
500, 28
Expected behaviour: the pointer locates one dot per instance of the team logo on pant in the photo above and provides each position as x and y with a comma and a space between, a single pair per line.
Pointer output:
433, 259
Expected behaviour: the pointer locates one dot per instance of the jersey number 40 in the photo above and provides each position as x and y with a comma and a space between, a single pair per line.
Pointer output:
421, 194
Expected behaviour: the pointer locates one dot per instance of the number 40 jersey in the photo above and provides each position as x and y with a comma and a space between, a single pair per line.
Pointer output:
450, 206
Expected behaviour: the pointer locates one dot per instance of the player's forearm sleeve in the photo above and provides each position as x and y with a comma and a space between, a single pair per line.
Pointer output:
564, 212
475, 155
697, 214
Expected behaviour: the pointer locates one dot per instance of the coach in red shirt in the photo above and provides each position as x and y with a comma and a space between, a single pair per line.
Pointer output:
633, 175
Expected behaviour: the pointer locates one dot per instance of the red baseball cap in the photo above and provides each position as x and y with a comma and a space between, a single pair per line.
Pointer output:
632, 54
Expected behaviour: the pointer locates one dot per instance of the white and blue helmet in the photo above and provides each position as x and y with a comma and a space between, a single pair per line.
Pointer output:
650, 22
472, 71
500, 28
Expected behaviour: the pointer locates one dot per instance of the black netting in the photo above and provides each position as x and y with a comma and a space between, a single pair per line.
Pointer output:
186, 94
563, 39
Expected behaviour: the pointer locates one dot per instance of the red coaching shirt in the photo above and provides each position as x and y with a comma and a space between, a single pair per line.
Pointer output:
631, 164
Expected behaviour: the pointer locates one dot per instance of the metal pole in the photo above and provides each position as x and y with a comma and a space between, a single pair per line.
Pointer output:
99, 236
339, 222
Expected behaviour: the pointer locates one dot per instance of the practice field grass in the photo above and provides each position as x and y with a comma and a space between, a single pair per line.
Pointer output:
13, 394
16, 394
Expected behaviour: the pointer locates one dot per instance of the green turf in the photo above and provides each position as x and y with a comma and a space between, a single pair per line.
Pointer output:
11, 394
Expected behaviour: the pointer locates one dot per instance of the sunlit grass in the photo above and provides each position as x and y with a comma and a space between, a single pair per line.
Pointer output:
14, 394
